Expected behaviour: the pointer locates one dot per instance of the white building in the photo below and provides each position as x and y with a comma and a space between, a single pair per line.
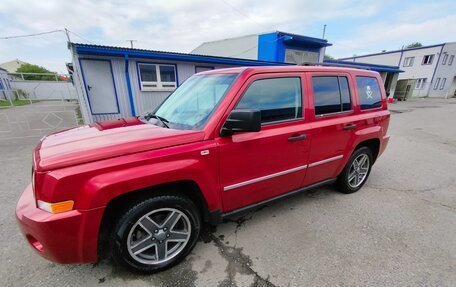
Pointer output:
429, 71
274, 46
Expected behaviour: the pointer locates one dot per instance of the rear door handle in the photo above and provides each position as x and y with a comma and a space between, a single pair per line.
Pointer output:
349, 127
297, 137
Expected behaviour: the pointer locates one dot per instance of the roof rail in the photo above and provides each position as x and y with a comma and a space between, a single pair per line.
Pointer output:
333, 65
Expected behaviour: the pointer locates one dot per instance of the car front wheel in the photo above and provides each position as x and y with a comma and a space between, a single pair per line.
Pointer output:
156, 233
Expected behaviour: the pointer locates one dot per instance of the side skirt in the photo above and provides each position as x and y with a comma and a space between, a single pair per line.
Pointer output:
216, 217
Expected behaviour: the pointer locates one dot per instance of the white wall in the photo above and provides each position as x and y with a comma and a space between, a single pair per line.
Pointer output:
447, 72
245, 47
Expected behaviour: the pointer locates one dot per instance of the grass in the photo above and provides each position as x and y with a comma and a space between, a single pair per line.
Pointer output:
16, 103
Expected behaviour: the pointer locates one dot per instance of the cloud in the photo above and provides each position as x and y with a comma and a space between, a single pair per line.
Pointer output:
182, 25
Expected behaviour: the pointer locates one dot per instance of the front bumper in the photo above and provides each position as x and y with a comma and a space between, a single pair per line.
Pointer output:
68, 237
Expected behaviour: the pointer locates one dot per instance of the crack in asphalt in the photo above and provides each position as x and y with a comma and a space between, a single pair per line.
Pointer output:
238, 262
414, 192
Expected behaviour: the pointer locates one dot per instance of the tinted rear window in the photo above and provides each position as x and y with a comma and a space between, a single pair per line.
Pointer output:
331, 94
368, 93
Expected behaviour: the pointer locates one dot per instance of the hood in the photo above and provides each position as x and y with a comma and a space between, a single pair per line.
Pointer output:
104, 140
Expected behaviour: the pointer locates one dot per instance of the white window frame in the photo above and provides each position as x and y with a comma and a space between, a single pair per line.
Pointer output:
159, 84
442, 84
429, 62
450, 61
408, 61
445, 58
436, 84
420, 83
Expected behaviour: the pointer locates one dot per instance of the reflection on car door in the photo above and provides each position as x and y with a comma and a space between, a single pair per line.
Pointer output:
260, 165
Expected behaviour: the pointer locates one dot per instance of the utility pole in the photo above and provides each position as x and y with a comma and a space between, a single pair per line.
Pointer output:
324, 31
131, 42
68, 35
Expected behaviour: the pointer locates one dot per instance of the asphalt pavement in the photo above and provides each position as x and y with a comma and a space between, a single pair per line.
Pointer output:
398, 230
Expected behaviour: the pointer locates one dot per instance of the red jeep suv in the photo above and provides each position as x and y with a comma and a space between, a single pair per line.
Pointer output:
224, 142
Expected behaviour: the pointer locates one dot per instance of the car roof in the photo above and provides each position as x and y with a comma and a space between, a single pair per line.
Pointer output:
290, 69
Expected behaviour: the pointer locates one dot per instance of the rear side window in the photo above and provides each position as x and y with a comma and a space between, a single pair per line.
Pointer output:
369, 93
331, 94
278, 99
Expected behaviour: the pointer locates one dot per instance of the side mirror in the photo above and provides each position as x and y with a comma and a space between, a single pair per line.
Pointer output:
242, 121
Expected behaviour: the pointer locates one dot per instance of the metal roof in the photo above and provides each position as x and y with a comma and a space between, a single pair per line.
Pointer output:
89, 49
373, 67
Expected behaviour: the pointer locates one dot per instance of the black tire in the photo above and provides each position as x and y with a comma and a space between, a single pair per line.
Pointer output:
120, 235
343, 183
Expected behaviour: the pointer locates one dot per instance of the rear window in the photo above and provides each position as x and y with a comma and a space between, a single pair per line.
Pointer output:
331, 94
368, 93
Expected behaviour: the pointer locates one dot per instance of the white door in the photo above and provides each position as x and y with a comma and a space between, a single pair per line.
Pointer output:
100, 86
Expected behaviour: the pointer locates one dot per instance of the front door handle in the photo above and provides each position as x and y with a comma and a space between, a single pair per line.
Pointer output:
297, 137
350, 127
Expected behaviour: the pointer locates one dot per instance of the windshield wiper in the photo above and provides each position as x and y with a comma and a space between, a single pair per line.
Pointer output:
162, 120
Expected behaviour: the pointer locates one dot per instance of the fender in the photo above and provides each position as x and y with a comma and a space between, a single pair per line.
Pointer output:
94, 184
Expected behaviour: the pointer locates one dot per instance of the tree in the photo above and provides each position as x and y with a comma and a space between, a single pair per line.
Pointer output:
29, 68
328, 57
414, 45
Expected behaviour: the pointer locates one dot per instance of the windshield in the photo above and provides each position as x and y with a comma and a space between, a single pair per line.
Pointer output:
191, 105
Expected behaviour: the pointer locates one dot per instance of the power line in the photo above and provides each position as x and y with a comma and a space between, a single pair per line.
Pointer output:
30, 35
245, 15
77, 35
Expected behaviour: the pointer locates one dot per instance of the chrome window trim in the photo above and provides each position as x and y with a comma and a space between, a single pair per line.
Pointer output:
333, 114
325, 160
258, 179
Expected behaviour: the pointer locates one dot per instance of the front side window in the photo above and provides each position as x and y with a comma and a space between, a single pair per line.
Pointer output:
278, 99
368, 93
157, 77
408, 61
427, 60
331, 94
192, 104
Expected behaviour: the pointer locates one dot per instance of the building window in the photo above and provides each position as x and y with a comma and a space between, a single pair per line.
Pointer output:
436, 85
445, 58
157, 77
450, 62
442, 85
1, 85
278, 99
408, 61
368, 93
419, 84
427, 60
331, 94
199, 69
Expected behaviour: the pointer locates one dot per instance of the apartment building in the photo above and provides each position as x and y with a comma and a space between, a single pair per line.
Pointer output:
428, 71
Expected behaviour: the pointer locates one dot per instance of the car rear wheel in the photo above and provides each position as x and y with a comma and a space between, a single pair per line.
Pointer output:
356, 172
156, 233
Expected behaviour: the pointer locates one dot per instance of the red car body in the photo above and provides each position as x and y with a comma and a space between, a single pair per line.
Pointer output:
93, 165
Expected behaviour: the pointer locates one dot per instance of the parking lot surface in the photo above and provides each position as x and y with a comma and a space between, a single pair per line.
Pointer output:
398, 230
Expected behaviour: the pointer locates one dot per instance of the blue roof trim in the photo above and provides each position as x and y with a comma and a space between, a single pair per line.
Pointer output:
294, 39
393, 51
85, 49
373, 67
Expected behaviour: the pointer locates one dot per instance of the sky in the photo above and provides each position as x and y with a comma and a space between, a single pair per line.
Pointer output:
353, 26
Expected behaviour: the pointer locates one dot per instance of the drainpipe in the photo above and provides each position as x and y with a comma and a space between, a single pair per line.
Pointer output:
435, 70
130, 93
